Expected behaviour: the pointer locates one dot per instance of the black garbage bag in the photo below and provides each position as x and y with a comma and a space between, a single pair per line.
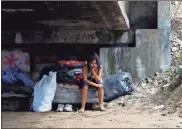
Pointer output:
117, 85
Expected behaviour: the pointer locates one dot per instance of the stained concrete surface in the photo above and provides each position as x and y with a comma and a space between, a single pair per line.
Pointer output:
152, 46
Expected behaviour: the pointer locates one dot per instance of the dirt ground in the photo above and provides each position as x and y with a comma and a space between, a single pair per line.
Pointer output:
115, 117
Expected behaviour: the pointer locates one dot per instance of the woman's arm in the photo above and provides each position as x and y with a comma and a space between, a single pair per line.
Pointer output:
98, 77
85, 77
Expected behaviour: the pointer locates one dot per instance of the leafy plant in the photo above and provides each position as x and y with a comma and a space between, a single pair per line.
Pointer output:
179, 59
170, 72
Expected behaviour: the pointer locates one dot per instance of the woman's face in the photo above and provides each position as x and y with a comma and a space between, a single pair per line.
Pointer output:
93, 64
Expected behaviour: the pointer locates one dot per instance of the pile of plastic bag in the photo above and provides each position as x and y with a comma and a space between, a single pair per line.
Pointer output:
117, 85
15, 76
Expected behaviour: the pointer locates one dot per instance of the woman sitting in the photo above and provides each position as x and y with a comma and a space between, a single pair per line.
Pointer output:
92, 76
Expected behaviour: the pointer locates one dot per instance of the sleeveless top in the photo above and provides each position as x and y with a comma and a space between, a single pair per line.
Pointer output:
89, 74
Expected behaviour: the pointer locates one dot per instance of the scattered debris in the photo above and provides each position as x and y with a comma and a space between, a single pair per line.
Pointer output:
177, 126
159, 107
163, 114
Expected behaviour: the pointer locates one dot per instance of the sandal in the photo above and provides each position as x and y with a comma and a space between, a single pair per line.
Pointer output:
81, 111
98, 107
102, 108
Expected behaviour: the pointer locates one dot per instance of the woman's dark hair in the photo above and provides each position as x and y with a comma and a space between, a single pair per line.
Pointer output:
94, 56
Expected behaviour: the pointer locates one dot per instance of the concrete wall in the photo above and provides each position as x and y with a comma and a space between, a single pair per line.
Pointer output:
152, 52
142, 60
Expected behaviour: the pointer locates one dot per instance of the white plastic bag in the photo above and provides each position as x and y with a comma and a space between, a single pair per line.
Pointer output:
44, 92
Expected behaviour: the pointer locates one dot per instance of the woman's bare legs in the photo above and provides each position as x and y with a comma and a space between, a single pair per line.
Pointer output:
84, 98
101, 97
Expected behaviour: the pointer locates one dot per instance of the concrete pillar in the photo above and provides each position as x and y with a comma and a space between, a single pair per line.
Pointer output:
164, 15
164, 25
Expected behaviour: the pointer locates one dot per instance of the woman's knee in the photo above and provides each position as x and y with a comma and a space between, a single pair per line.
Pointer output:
85, 88
100, 88
101, 84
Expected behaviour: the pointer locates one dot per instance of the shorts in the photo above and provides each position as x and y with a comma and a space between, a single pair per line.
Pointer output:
90, 79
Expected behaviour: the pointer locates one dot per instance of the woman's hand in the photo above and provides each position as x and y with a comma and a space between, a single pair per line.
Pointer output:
100, 85
93, 69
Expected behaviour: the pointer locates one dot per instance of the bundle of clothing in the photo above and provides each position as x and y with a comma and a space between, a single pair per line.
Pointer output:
16, 77
69, 73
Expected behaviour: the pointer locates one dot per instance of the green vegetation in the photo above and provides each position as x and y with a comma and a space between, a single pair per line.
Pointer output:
170, 72
179, 59
180, 71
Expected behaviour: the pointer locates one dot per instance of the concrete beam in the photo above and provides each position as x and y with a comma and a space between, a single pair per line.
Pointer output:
65, 15
99, 36
123, 6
